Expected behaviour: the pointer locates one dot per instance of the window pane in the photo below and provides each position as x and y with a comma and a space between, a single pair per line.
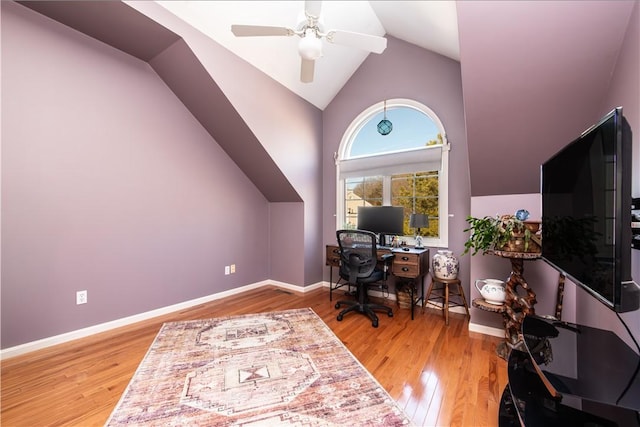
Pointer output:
411, 129
361, 191
417, 192
399, 168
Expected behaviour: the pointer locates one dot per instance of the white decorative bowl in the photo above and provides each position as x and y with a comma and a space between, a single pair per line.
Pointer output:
492, 290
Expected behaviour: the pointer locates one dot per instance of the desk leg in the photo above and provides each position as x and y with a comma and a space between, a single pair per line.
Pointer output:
421, 297
414, 300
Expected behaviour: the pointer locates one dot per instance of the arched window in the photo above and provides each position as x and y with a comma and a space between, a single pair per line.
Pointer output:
408, 167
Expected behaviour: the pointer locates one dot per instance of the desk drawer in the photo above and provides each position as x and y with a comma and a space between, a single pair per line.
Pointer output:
406, 265
333, 256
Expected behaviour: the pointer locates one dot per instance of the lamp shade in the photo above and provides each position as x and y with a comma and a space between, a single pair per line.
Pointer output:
418, 220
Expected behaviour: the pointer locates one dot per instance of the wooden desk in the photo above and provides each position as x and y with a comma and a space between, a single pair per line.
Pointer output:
408, 266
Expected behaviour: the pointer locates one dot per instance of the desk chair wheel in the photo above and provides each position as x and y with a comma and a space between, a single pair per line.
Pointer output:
338, 306
390, 314
374, 323
339, 317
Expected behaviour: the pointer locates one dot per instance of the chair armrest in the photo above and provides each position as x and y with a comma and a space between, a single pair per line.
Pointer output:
387, 257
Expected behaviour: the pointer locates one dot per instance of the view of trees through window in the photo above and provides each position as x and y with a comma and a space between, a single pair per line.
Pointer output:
361, 191
401, 181
416, 192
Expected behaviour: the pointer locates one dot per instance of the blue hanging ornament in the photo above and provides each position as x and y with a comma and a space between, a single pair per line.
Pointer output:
385, 126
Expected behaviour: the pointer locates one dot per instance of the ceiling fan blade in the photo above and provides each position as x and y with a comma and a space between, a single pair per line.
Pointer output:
312, 8
259, 30
306, 70
366, 42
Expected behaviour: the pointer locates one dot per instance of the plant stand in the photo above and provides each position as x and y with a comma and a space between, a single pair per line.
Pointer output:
519, 302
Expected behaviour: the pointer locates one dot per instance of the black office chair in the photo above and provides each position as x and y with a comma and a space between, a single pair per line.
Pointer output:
358, 265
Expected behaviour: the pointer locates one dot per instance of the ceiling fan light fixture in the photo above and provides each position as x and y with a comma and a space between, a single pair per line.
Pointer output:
310, 46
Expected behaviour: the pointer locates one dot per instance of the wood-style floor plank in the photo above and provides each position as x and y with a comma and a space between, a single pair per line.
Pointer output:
440, 375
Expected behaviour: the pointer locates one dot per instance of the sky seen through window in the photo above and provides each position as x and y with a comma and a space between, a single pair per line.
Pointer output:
411, 129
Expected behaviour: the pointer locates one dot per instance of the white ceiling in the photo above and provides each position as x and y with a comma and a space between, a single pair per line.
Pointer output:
429, 24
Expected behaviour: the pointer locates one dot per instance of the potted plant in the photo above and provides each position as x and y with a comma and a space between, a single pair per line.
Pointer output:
502, 232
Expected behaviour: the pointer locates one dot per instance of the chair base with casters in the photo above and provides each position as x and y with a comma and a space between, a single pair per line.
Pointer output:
362, 305
359, 266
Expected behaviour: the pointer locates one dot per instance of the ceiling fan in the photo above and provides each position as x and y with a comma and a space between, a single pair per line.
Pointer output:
310, 31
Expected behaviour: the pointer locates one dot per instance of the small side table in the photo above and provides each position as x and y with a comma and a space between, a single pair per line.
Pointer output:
444, 297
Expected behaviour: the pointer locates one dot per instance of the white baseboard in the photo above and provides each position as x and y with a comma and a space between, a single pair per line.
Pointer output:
486, 330
103, 327
294, 288
473, 327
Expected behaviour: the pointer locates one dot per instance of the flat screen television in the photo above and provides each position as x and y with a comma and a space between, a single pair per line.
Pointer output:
586, 212
382, 220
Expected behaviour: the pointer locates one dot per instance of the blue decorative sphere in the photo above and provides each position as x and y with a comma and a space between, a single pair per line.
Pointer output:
522, 214
385, 127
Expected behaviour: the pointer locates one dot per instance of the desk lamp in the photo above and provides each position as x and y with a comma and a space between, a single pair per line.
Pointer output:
418, 221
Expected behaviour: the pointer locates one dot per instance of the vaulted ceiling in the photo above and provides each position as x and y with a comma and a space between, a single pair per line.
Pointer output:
534, 74
431, 25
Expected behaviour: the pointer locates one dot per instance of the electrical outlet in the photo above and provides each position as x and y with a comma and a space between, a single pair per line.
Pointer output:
233, 268
227, 269
81, 297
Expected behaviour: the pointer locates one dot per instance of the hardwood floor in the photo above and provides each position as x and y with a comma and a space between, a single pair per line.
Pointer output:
441, 376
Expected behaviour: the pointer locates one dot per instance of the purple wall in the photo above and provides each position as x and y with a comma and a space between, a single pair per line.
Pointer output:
109, 184
534, 74
404, 71
290, 131
624, 90
231, 206
285, 244
579, 306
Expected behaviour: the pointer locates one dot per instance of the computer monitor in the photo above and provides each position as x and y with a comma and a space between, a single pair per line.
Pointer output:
382, 220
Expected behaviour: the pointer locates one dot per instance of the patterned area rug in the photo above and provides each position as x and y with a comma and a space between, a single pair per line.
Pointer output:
280, 368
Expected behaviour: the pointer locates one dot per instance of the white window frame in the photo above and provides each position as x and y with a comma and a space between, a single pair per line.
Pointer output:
413, 160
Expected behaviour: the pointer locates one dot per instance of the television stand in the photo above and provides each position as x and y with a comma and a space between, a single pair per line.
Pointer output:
571, 375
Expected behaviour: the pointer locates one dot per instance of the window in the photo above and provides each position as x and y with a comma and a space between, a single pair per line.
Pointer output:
408, 167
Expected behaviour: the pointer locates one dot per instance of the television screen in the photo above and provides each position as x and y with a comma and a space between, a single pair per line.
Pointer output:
384, 220
586, 212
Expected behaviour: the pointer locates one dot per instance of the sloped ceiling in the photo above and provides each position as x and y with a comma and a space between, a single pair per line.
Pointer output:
431, 25
534, 74
124, 28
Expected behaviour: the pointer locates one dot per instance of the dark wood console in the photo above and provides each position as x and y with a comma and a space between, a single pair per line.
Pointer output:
571, 375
